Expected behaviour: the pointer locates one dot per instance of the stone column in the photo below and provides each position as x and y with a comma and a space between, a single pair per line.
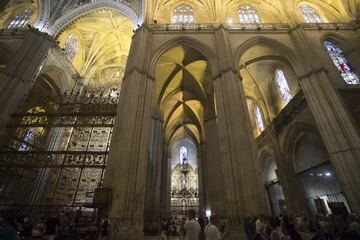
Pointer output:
20, 73
164, 172
213, 172
243, 190
152, 211
339, 133
127, 166
293, 190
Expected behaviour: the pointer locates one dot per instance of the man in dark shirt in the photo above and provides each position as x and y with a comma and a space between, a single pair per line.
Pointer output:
7, 229
51, 227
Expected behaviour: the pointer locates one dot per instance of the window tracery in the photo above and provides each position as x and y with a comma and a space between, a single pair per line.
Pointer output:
248, 14
310, 14
21, 20
282, 86
71, 47
183, 14
337, 56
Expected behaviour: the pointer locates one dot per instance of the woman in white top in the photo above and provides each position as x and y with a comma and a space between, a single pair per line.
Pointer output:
211, 232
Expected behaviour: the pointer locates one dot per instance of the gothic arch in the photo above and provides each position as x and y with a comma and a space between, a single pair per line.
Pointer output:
289, 54
268, 11
292, 136
43, 14
76, 13
61, 83
347, 47
327, 11
201, 47
339, 39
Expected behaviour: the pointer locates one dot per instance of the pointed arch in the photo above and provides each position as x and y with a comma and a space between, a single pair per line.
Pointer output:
288, 53
76, 13
201, 47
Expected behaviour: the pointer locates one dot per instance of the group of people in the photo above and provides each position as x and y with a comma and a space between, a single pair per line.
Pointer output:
21, 227
193, 228
340, 227
54, 226
332, 227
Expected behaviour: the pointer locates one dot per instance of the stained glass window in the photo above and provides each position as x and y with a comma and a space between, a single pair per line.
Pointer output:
71, 47
310, 14
183, 155
259, 119
282, 86
183, 14
248, 14
21, 20
28, 138
337, 56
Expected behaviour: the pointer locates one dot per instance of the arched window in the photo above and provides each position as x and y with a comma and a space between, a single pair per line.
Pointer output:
183, 14
183, 155
71, 47
21, 20
310, 14
248, 14
259, 119
337, 56
282, 86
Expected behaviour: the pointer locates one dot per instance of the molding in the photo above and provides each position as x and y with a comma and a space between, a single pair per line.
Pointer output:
312, 72
224, 71
136, 69
80, 11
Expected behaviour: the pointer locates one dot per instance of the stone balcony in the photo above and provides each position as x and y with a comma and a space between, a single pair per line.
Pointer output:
250, 27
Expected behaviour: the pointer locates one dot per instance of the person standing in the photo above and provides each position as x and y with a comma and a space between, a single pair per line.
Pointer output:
249, 227
104, 228
7, 229
51, 228
211, 232
259, 228
276, 232
192, 227
164, 228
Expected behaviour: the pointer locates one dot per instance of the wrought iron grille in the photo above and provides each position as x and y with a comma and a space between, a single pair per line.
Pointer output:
56, 158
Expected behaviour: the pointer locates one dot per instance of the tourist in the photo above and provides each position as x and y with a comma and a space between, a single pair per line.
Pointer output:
7, 229
172, 229
52, 224
354, 223
276, 232
192, 227
316, 227
28, 228
211, 232
163, 229
249, 227
104, 228
289, 229
202, 225
345, 232
39, 228
260, 228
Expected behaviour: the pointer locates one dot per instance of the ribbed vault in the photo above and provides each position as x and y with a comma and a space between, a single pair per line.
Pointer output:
104, 39
182, 88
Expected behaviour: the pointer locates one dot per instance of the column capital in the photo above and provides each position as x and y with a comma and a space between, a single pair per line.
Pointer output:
140, 71
225, 71
311, 72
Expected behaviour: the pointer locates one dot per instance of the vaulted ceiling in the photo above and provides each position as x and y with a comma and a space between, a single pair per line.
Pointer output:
182, 89
104, 39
